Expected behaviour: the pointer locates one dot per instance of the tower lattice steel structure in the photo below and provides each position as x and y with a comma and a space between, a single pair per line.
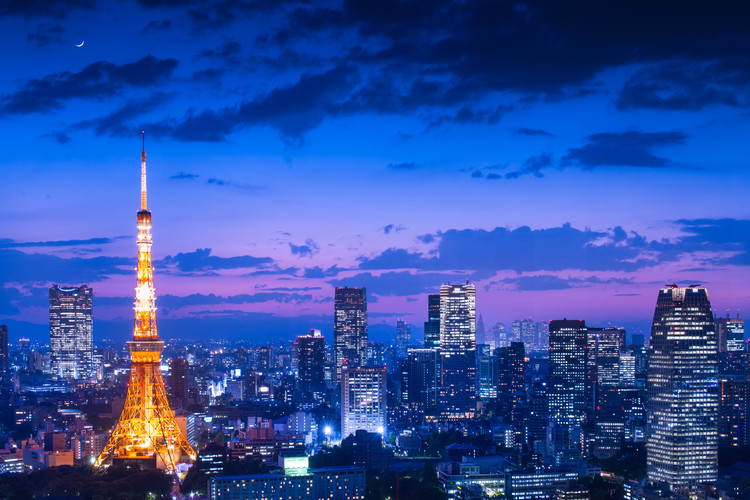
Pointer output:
146, 430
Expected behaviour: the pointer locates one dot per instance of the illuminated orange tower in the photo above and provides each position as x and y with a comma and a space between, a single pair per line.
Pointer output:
146, 431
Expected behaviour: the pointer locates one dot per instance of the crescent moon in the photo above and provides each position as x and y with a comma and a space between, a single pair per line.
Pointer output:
81, 44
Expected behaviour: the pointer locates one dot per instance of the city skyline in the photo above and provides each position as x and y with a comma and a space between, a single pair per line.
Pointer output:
423, 147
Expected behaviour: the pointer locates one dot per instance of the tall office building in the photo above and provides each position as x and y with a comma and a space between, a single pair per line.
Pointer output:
683, 400
432, 325
70, 330
350, 327
177, 381
566, 388
511, 376
403, 338
735, 335
419, 381
457, 393
4, 349
487, 373
311, 351
603, 366
363, 400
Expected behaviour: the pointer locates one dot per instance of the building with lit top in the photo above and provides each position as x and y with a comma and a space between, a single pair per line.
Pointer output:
70, 331
363, 400
683, 399
457, 399
349, 327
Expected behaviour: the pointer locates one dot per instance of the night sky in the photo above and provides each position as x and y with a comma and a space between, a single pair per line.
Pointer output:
570, 158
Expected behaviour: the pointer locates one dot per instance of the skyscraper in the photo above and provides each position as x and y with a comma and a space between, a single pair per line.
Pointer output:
363, 400
457, 393
403, 338
432, 325
350, 327
146, 432
566, 389
311, 366
511, 376
683, 400
418, 381
70, 331
178, 380
4, 349
603, 366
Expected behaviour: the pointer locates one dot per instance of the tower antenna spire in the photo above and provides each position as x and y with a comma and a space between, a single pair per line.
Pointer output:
143, 171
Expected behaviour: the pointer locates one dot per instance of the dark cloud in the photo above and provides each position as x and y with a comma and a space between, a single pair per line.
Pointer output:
228, 52
409, 165
248, 188
97, 80
688, 86
292, 110
388, 228
212, 75
466, 115
155, 26
628, 149
47, 34
60, 137
544, 282
8, 243
399, 283
155, 4
173, 302
20, 267
43, 8
533, 165
709, 242
538, 47
319, 272
201, 261
309, 249
119, 123
532, 131
184, 175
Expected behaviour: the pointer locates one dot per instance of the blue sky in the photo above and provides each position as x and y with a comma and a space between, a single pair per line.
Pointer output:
569, 159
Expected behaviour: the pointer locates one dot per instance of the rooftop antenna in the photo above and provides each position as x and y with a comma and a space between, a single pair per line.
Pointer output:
143, 171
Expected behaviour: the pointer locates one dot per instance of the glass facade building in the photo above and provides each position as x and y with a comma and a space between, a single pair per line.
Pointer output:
70, 331
457, 394
683, 395
349, 327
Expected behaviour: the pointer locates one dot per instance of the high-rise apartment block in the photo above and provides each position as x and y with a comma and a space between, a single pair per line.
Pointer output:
350, 327
683, 398
363, 400
70, 331
457, 393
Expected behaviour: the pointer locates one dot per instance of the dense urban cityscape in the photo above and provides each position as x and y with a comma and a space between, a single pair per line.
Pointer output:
380, 250
541, 410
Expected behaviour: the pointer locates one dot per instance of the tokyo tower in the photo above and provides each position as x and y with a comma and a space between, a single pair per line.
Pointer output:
146, 432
